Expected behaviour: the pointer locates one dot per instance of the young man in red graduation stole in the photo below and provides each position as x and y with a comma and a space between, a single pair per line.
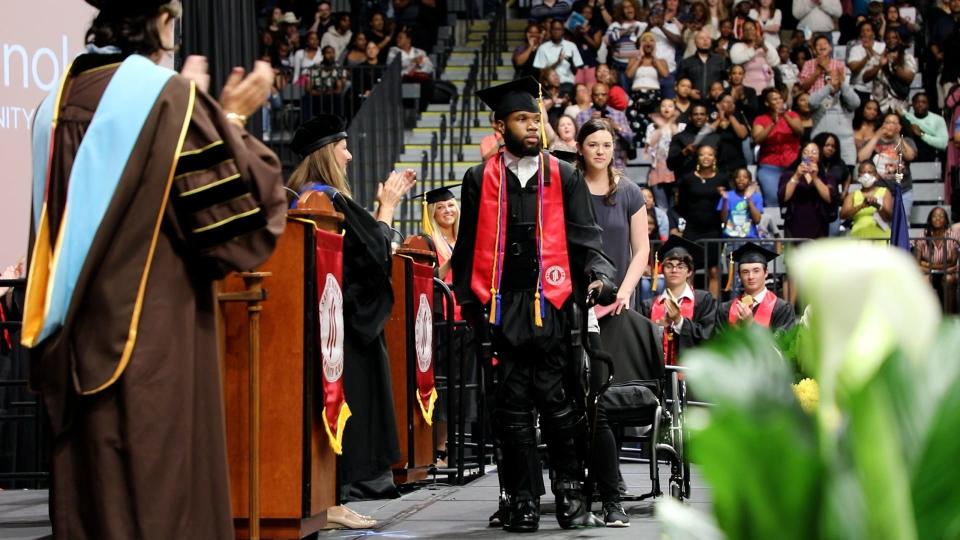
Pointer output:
687, 315
757, 304
529, 248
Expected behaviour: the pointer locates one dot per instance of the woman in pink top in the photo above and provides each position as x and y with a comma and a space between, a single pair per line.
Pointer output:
757, 60
777, 131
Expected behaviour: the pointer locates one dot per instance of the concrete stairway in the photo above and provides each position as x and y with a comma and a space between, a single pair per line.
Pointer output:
418, 140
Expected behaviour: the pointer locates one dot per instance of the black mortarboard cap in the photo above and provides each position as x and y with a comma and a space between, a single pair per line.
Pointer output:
753, 253
128, 7
442, 193
517, 95
563, 155
678, 247
318, 132
437, 195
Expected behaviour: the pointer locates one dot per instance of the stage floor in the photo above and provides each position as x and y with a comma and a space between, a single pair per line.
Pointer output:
463, 512
430, 512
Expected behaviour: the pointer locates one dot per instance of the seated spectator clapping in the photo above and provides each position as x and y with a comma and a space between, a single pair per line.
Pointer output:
414, 63
938, 256
930, 129
897, 69
757, 60
870, 208
808, 196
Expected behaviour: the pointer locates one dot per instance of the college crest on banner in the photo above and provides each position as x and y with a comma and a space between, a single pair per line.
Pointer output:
329, 334
423, 338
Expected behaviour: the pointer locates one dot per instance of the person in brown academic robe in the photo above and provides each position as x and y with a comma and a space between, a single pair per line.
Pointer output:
131, 377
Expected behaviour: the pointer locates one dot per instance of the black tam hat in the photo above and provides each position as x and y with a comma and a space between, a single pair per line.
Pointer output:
318, 132
563, 155
438, 195
128, 7
516, 95
752, 253
678, 247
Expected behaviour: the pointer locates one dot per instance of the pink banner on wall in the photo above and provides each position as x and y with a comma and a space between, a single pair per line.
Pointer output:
38, 40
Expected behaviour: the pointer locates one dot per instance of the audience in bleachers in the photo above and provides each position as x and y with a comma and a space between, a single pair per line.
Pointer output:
850, 75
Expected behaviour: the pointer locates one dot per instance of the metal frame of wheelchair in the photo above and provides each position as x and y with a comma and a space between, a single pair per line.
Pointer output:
663, 438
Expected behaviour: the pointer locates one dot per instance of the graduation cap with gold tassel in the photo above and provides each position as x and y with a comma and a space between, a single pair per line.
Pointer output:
432, 196
677, 247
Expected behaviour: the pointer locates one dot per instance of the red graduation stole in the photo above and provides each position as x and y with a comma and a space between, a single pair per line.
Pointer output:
761, 314
553, 281
670, 346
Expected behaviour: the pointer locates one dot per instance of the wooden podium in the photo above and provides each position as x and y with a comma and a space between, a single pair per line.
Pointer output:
297, 480
415, 435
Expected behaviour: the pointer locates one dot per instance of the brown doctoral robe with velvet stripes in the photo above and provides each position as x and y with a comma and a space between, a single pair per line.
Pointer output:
139, 447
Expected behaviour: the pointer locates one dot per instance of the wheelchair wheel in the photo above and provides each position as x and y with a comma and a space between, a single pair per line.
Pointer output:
679, 389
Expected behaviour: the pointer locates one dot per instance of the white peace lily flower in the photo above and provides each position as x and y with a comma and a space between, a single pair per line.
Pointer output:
869, 299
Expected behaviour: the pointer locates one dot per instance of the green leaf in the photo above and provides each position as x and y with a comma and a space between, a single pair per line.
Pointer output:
935, 475
757, 449
875, 445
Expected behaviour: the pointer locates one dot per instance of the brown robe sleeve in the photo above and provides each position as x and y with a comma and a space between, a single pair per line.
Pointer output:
227, 202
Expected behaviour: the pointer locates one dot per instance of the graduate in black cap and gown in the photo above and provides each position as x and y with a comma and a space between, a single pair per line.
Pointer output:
148, 190
528, 248
370, 439
757, 304
687, 315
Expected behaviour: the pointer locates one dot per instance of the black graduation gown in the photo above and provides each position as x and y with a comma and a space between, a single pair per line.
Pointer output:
584, 246
782, 318
370, 439
700, 328
633, 341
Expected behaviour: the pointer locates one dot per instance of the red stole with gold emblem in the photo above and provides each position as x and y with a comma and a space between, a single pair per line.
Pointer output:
670, 346
761, 314
329, 334
553, 282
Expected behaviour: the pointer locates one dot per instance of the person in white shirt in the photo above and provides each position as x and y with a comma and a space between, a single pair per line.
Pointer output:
817, 15
769, 18
307, 57
864, 60
414, 62
560, 54
897, 69
338, 36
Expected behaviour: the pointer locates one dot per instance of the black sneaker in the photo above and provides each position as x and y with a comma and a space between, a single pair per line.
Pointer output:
614, 515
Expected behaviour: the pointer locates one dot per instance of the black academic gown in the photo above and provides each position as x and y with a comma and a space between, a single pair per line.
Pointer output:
633, 341
370, 441
700, 328
782, 318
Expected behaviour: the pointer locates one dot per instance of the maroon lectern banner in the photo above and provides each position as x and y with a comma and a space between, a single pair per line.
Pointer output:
329, 334
423, 336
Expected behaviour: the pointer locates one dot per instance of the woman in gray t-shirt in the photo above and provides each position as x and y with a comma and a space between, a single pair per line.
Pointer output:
619, 207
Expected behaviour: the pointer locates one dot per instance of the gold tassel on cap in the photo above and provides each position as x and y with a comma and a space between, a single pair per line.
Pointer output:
656, 271
543, 117
537, 316
730, 272
425, 218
